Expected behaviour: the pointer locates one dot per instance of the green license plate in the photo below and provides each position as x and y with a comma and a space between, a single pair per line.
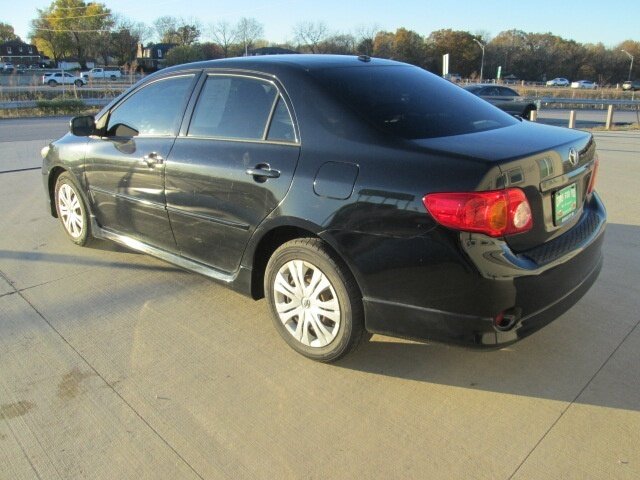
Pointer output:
565, 202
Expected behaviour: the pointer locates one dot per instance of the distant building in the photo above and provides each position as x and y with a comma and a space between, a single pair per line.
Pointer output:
153, 56
19, 53
269, 51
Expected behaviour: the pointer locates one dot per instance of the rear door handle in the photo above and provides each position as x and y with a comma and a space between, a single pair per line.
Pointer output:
263, 170
152, 159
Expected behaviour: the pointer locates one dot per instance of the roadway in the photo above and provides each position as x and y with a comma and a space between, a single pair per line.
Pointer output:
117, 365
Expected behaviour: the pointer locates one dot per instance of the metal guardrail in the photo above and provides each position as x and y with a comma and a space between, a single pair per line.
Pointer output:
588, 101
91, 102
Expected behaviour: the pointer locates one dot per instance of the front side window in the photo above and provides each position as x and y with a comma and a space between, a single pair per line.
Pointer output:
233, 107
156, 109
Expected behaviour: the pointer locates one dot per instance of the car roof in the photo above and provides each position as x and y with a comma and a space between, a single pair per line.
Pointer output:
292, 61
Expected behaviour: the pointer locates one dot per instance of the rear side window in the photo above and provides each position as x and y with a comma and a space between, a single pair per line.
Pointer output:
233, 107
156, 109
507, 92
281, 128
409, 102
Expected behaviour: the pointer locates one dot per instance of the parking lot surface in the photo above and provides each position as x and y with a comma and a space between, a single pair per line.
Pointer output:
117, 365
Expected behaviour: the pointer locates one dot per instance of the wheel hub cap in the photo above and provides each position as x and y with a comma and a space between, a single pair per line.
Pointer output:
307, 303
70, 211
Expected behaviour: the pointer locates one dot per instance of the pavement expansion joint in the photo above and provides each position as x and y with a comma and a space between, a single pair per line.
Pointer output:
98, 374
578, 395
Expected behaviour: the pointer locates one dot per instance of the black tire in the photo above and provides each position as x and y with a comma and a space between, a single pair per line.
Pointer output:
349, 331
113, 78
68, 189
78, 83
52, 83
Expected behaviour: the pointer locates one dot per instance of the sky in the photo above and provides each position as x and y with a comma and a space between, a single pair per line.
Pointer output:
586, 21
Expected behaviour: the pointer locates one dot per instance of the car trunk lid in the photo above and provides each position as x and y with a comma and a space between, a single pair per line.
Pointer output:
553, 166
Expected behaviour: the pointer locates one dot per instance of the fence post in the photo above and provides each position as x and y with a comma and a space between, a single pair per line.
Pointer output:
609, 118
572, 119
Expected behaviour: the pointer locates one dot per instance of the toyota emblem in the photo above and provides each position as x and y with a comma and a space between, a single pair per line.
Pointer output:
574, 157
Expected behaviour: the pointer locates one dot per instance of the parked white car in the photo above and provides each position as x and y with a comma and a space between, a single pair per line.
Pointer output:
584, 84
558, 82
64, 78
107, 73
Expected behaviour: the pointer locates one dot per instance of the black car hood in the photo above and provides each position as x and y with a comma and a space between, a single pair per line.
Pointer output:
503, 144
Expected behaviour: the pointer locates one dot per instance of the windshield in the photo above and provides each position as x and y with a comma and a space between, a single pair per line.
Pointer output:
410, 102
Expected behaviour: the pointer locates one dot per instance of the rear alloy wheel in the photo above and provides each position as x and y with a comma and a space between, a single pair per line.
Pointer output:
78, 83
314, 300
52, 83
72, 210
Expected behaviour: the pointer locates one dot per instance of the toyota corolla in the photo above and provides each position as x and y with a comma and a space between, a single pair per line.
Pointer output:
358, 195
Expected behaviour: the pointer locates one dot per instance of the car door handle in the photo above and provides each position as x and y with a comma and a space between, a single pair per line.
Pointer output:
152, 159
263, 170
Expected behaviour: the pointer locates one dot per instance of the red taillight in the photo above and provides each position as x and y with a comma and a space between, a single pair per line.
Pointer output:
495, 213
592, 180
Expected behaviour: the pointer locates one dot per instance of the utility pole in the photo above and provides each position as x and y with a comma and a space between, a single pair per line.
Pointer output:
481, 45
630, 66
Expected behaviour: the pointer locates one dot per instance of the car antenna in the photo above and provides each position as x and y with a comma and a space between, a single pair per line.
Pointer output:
364, 58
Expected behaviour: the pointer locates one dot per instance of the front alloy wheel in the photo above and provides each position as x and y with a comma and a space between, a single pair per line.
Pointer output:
315, 302
71, 209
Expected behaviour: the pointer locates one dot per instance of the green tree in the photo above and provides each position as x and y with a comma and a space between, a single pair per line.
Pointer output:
633, 48
464, 53
408, 46
72, 27
383, 45
184, 54
6, 33
124, 40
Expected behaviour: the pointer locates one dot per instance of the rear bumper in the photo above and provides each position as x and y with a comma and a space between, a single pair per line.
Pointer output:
537, 288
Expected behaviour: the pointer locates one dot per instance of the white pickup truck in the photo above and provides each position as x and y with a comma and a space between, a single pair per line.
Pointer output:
94, 73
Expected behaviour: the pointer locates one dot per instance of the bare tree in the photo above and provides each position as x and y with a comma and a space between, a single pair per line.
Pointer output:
224, 34
163, 27
177, 30
311, 34
249, 30
365, 36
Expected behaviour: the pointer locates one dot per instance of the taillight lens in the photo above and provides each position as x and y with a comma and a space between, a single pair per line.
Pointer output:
495, 213
592, 180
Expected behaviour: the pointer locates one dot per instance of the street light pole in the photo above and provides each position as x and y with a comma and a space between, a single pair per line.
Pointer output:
630, 66
481, 45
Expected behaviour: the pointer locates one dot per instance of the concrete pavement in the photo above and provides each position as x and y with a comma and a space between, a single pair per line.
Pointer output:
117, 365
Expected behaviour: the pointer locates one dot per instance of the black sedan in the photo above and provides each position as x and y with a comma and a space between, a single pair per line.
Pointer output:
358, 195
504, 98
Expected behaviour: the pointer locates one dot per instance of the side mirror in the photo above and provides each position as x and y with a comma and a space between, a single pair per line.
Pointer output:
82, 126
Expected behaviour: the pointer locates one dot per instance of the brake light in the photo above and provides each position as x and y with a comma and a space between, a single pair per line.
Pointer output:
592, 180
495, 213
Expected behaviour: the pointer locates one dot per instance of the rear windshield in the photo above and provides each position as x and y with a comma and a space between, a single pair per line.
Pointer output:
410, 102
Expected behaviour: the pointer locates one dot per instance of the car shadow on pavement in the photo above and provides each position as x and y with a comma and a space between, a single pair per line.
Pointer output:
595, 344
83, 260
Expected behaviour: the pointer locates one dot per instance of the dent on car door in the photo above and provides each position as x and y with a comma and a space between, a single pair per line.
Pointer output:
230, 169
125, 167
